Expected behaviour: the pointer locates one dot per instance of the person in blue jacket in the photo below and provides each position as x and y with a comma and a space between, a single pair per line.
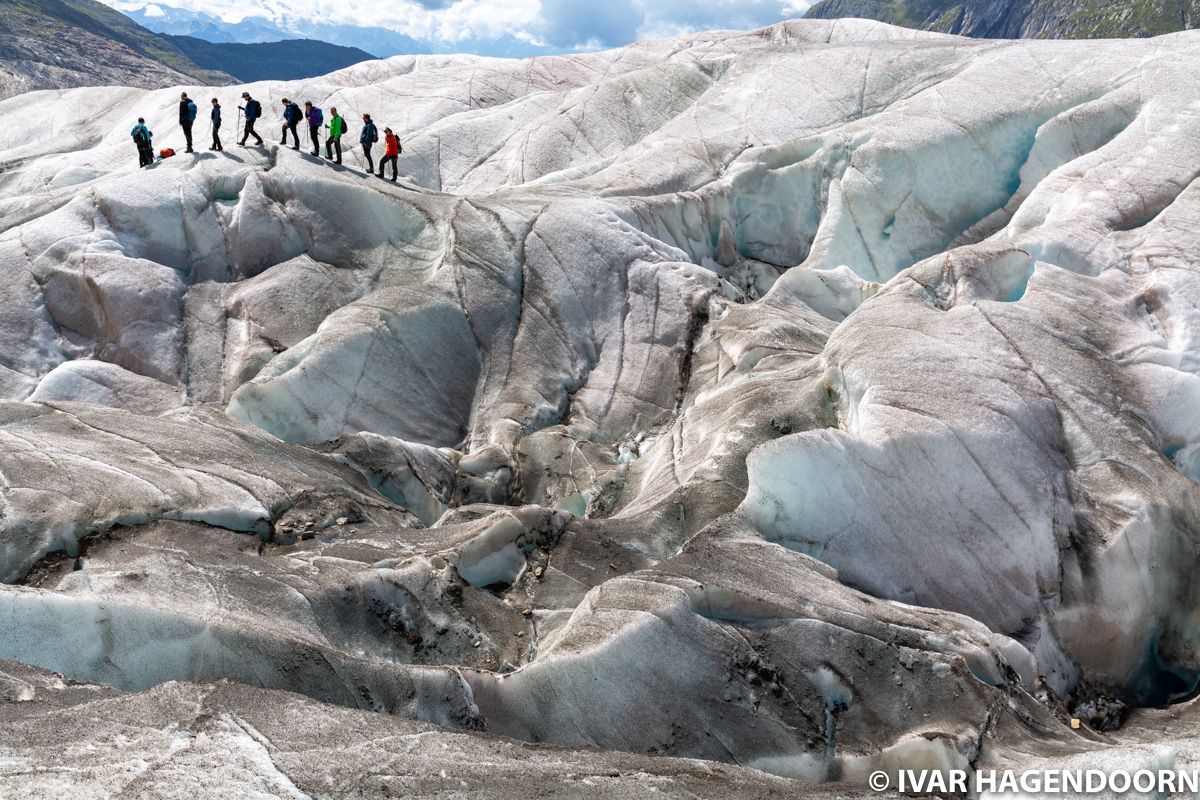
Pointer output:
187, 115
368, 137
142, 137
216, 125
252, 110
291, 118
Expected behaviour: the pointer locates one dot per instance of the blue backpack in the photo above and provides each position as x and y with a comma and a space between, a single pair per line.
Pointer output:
318, 116
191, 111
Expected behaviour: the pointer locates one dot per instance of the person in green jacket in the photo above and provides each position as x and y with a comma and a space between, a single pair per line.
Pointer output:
333, 140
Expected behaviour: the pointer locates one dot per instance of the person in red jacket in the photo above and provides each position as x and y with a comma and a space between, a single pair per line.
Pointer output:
392, 152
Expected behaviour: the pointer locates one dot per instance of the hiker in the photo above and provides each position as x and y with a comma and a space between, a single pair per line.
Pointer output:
368, 137
142, 137
337, 126
391, 152
216, 125
187, 115
252, 110
314, 117
291, 118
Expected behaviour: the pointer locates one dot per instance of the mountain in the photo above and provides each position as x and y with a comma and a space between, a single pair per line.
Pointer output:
809, 401
1013, 19
381, 41
255, 29
287, 60
54, 44
184, 22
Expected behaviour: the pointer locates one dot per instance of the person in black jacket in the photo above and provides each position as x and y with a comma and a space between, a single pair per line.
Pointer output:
291, 118
187, 115
252, 110
216, 125
368, 137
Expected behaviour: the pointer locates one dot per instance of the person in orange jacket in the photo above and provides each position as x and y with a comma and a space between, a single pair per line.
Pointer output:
392, 152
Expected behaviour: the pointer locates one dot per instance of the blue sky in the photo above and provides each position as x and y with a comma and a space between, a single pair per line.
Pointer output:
476, 25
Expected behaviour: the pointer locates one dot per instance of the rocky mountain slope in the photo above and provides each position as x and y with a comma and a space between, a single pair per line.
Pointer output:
789, 404
57, 44
1023, 19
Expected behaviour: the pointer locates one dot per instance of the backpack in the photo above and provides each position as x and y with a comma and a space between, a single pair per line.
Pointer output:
374, 133
253, 109
191, 111
166, 152
140, 138
294, 114
318, 116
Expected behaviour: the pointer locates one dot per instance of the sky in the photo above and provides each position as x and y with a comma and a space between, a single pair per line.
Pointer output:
561, 25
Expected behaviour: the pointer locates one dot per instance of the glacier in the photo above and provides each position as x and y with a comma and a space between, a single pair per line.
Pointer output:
732, 413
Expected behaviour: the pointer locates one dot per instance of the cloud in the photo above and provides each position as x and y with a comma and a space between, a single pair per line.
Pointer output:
671, 17
588, 24
476, 25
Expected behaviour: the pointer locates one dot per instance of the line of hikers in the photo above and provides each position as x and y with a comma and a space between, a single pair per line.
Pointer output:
292, 116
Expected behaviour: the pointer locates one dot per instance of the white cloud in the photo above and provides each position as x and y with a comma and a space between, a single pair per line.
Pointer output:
560, 24
571, 23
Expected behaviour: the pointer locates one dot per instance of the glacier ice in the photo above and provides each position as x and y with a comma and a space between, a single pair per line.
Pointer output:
817, 399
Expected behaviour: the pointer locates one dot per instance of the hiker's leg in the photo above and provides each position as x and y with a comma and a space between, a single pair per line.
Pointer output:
337, 145
187, 134
367, 155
